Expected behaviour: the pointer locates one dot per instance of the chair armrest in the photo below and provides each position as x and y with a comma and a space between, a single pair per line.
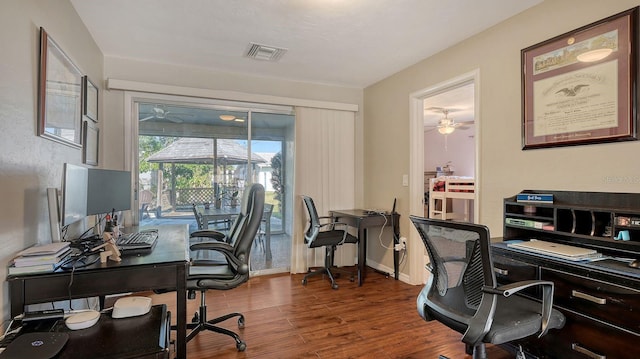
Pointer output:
227, 250
208, 233
332, 224
547, 297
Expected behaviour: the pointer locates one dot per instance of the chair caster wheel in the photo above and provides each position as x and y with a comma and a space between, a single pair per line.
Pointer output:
334, 286
304, 282
241, 346
196, 318
241, 323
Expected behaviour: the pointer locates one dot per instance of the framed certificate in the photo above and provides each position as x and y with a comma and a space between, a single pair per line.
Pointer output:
580, 87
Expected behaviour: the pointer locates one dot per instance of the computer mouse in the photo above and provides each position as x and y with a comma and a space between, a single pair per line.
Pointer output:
634, 263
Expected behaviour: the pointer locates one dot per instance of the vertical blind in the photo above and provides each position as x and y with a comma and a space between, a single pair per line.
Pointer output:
325, 171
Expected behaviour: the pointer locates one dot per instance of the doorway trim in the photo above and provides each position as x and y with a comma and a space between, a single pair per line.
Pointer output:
418, 257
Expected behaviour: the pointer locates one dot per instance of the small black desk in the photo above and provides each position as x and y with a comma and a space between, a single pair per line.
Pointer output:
164, 268
113, 338
362, 220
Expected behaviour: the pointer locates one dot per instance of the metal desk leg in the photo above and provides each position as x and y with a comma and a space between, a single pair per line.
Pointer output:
396, 240
181, 315
267, 229
362, 254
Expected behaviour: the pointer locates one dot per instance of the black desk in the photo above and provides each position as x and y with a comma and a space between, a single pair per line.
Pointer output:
362, 220
112, 338
600, 301
164, 268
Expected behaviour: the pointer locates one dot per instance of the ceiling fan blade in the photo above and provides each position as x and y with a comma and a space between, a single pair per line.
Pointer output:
174, 119
147, 118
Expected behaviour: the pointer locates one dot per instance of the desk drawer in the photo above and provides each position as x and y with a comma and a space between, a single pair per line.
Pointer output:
611, 303
584, 338
509, 270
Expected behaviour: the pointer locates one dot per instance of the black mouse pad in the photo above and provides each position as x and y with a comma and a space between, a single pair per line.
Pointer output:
37, 345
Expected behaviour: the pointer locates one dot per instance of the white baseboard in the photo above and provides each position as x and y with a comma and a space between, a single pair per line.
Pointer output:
382, 268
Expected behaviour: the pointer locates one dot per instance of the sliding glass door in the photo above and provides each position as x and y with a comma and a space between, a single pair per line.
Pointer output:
201, 153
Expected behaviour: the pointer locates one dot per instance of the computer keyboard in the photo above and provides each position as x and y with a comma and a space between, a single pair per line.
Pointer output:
138, 240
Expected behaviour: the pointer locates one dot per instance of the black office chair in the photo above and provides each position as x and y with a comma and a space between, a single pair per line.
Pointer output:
324, 235
229, 271
462, 292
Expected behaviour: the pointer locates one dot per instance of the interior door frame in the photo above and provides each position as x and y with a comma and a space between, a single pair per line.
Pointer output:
418, 257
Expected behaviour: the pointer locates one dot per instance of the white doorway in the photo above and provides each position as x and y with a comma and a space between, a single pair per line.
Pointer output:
449, 147
417, 168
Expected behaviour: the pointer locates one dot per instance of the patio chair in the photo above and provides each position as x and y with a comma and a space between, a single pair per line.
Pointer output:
144, 198
264, 227
200, 221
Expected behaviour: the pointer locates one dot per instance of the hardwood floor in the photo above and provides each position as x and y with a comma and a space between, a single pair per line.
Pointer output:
285, 319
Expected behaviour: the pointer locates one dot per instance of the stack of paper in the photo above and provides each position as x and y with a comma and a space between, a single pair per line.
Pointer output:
39, 258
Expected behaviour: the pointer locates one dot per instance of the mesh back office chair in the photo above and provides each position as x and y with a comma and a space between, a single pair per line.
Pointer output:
324, 235
234, 269
462, 292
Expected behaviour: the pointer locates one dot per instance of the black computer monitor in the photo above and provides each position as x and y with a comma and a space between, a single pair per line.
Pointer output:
89, 191
108, 190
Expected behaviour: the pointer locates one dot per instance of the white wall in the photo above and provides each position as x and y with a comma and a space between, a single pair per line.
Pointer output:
28, 163
457, 148
504, 168
132, 70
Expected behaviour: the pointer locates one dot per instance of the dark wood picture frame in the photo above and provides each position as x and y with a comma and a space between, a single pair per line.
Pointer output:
59, 95
569, 98
90, 99
91, 141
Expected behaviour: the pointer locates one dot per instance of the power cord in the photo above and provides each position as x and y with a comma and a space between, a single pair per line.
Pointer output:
382, 230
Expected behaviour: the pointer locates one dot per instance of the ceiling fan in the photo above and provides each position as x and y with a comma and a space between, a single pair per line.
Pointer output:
160, 112
447, 125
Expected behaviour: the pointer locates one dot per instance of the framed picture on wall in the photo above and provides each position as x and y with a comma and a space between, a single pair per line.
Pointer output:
59, 94
90, 141
580, 87
90, 99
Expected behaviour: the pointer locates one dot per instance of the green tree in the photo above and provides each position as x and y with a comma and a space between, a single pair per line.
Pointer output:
276, 178
187, 175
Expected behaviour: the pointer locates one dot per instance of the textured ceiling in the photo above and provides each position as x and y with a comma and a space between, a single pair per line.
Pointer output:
352, 43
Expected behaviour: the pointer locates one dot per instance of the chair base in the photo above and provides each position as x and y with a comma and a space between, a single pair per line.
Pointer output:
328, 265
330, 272
322, 271
200, 323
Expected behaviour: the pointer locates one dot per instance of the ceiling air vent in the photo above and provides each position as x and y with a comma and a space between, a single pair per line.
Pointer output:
264, 52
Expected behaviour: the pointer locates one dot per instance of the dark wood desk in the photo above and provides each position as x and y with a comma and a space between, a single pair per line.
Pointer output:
164, 268
112, 338
601, 299
362, 220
